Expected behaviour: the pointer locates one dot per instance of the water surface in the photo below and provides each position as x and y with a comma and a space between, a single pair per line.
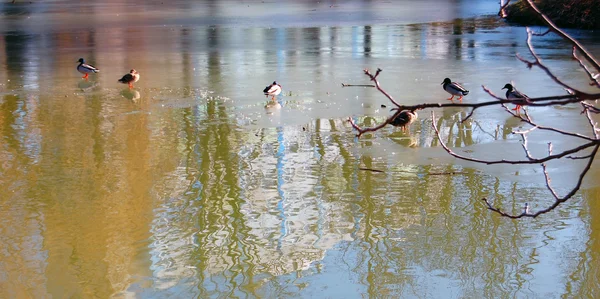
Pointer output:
193, 184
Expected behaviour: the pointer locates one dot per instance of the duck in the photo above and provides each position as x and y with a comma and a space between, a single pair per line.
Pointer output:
454, 89
86, 69
513, 94
272, 90
404, 119
130, 78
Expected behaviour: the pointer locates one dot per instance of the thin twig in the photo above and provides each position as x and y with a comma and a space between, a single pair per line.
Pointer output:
578, 157
468, 116
547, 177
373, 129
357, 85
526, 131
591, 108
543, 33
503, 5
525, 148
594, 78
591, 122
374, 79
372, 170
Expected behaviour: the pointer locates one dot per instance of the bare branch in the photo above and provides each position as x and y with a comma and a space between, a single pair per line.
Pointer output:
545, 101
548, 181
578, 157
586, 108
542, 101
525, 148
374, 79
468, 116
525, 212
574, 96
527, 116
594, 78
526, 131
372, 129
558, 200
536, 102
543, 33
503, 5
503, 161
371, 170
565, 36
357, 85
537, 62
591, 108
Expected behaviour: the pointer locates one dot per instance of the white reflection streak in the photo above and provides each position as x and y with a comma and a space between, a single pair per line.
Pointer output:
31, 68
280, 182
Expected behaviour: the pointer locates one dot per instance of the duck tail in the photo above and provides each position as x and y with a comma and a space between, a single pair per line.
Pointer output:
466, 92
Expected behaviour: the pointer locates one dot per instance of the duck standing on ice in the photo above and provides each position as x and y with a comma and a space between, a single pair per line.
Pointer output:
86, 69
130, 78
454, 89
272, 90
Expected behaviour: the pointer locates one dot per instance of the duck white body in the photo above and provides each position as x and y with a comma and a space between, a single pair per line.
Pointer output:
85, 68
272, 90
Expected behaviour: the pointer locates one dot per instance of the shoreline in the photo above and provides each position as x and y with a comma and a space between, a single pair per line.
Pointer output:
574, 14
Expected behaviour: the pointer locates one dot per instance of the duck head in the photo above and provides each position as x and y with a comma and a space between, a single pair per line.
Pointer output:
508, 86
81, 60
447, 81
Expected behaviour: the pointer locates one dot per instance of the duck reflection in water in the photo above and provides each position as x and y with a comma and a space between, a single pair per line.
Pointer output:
403, 139
273, 106
131, 94
86, 86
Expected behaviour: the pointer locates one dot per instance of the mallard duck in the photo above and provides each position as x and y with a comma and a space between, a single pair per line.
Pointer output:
130, 78
404, 119
454, 89
86, 69
518, 97
272, 90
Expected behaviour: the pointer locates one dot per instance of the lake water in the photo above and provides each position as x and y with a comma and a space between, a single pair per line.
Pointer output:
193, 184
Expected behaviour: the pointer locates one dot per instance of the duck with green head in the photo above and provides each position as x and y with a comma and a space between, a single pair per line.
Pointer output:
86, 69
454, 89
518, 97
